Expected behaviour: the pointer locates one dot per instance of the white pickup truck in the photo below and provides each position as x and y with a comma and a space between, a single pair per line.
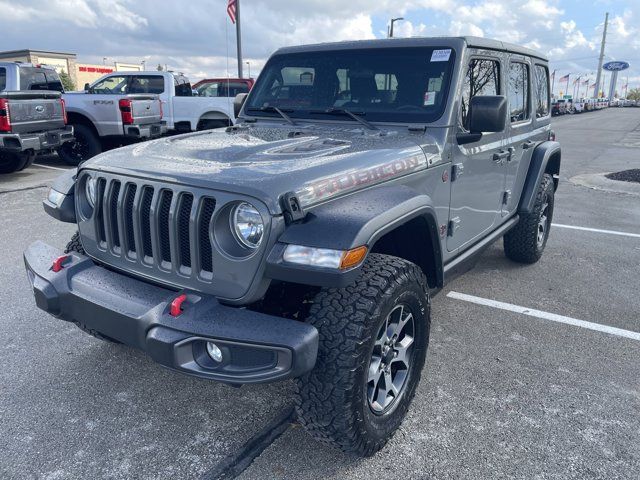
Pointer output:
101, 123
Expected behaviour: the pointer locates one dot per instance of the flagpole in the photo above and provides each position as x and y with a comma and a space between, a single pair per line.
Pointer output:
239, 39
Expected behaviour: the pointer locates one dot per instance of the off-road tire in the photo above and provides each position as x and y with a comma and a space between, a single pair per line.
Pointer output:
331, 400
11, 162
75, 245
521, 242
86, 145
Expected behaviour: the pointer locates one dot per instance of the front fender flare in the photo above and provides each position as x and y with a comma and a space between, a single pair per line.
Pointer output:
352, 221
537, 168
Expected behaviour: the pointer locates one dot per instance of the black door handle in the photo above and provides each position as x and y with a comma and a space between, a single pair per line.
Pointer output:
501, 155
528, 144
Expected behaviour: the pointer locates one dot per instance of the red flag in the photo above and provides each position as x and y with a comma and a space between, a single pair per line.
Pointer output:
231, 10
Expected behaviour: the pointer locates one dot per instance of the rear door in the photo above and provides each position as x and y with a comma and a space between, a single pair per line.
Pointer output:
478, 178
529, 120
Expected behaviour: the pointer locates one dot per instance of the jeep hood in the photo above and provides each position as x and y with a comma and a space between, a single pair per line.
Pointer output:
267, 162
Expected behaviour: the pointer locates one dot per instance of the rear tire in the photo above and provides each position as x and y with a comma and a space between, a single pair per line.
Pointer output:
360, 388
75, 245
526, 241
11, 162
86, 145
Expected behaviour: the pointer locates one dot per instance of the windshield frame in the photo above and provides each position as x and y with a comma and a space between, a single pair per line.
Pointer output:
393, 117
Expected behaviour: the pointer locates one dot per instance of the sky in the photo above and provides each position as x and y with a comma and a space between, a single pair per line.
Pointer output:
196, 37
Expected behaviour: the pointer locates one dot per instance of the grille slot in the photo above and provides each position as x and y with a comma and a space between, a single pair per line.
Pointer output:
163, 225
113, 213
158, 227
184, 238
208, 206
129, 198
145, 221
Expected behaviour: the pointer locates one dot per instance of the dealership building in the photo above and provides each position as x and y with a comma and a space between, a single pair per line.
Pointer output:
80, 73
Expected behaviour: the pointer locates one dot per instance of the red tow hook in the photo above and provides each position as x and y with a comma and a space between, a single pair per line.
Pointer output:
58, 263
176, 305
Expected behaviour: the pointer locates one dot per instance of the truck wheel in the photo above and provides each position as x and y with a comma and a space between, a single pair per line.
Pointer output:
14, 162
526, 241
373, 341
75, 245
86, 145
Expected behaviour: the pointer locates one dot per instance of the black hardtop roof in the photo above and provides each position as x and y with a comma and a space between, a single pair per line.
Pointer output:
454, 42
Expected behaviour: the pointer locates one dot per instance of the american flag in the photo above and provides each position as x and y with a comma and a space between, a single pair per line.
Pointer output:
586, 82
566, 77
231, 10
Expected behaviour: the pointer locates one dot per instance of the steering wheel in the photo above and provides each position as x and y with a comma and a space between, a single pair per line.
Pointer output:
409, 108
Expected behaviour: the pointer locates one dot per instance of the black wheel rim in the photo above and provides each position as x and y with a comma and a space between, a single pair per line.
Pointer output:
391, 359
77, 150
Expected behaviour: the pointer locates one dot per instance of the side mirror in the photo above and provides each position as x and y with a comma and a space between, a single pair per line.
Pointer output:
238, 102
87, 87
487, 114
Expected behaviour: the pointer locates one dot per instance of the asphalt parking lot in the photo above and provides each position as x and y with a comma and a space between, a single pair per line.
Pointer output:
504, 394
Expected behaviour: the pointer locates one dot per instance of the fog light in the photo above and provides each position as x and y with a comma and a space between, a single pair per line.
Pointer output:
214, 352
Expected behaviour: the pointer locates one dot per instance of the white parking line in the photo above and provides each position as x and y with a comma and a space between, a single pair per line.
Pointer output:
545, 315
597, 230
52, 168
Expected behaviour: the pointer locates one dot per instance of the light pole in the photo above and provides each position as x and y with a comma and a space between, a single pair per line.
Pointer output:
144, 65
248, 68
393, 20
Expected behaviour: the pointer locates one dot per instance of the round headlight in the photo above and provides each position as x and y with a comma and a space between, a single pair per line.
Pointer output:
247, 225
90, 190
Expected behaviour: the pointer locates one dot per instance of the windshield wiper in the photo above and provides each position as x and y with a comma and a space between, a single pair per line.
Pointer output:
343, 111
271, 108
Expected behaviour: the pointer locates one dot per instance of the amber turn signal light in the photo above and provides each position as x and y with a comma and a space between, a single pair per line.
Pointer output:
353, 257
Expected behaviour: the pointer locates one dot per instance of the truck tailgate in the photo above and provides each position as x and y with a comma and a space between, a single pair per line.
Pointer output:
145, 108
34, 111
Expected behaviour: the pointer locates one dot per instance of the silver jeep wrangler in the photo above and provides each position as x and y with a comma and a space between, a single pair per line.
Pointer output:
306, 241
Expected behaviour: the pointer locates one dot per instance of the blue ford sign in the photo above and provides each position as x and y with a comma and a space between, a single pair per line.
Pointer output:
615, 66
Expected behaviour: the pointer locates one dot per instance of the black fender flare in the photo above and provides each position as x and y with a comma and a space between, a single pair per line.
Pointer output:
349, 222
540, 164
60, 201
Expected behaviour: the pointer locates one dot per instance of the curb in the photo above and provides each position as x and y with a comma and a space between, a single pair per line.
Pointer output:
598, 181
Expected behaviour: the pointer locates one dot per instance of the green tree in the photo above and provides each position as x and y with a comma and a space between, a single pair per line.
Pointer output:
634, 94
66, 81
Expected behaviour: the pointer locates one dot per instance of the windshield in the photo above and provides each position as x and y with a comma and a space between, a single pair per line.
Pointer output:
386, 84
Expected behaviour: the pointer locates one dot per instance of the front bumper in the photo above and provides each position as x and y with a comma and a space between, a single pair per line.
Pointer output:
151, 130
256, 347
38, 141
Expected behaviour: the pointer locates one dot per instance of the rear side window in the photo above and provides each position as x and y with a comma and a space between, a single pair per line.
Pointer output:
483, 78
3, 78
183, 87
147, 84
542, 91
53, 81
518, 91
33, 79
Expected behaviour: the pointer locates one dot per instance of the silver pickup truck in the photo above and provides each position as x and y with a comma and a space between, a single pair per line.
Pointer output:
32, 115
106, 116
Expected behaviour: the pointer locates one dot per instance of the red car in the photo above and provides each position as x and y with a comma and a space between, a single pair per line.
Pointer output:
223, 87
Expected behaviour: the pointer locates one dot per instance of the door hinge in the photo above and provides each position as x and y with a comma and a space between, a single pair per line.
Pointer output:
291, 208
506, 196
454, 224
456, 171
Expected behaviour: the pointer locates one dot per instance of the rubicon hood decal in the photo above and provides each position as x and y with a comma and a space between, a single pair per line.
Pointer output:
345, 182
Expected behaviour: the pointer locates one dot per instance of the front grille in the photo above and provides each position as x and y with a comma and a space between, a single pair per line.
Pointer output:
155, 226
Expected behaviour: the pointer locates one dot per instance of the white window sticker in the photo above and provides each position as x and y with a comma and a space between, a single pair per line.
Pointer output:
429, 98
441, 55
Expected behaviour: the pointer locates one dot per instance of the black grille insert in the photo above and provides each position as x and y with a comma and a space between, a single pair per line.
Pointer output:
208, 206
129, 197
145, 221
184, 238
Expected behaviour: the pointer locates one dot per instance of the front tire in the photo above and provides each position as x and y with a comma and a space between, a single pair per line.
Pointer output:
525, 242
373, 342
86, 145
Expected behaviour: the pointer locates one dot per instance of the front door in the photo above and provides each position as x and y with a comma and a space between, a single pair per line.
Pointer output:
478, 172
